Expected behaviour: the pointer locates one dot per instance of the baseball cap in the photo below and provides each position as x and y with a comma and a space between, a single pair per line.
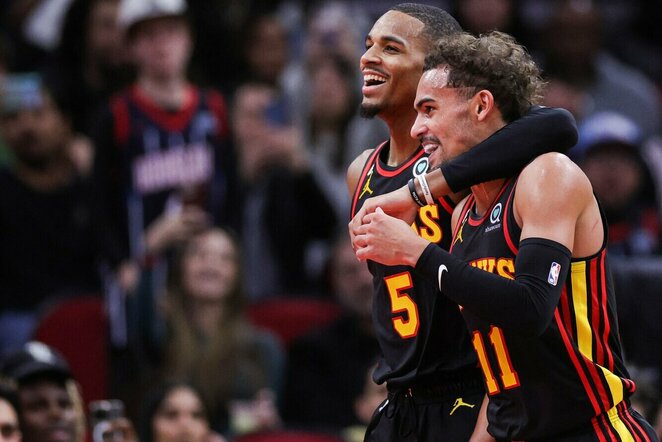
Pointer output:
35, 358
135, 11
607, 127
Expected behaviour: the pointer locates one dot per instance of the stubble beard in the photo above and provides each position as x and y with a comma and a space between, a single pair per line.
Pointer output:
369, 111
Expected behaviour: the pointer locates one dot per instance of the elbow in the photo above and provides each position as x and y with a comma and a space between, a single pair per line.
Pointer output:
536, 310
568, 134
535, 323
529, 327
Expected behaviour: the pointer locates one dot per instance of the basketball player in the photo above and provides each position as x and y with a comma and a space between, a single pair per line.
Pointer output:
528, 264
427, 361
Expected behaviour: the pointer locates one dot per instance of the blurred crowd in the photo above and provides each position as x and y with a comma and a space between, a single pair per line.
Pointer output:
173, 206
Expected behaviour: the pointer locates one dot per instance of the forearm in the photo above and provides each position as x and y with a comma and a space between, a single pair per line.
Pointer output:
526, 303
508, 150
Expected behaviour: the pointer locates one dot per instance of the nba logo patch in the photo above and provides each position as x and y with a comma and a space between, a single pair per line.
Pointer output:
554, 271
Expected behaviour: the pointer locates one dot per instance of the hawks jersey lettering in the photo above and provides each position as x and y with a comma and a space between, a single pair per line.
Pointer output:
544, 385
421, 334
164, 153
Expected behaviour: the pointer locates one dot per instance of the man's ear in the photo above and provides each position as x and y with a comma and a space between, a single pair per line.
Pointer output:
482, 104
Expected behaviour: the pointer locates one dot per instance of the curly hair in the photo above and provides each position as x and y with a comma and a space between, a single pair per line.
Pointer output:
493, 61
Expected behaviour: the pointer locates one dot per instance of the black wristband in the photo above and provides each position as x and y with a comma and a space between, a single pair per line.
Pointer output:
412, 190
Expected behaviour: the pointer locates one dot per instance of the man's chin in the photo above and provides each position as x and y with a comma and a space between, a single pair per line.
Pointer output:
369, 111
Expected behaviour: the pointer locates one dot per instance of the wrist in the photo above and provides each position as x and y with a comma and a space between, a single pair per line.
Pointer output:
411, 186
425, 188
416, 250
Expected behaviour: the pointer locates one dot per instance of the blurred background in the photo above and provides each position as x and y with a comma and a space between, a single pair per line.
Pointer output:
173, 203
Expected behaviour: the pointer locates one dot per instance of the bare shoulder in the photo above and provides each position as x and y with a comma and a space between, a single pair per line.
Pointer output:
355, 168
553, 175
554, 200
552, 189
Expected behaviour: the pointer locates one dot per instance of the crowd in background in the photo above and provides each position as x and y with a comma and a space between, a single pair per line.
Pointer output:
184, 165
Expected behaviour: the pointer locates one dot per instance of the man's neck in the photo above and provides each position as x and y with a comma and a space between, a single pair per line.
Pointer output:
167, 92
485, 193
402, 145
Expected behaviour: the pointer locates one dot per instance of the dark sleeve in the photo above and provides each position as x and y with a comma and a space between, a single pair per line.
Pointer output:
106, 178
298, 213
225, 202
507, 151
525, 304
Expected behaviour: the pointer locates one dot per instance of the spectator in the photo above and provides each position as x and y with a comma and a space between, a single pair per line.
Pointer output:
164, 161
639, 42
53, 240
326, 371
203, 335
9, 428
50, 408
482, 16
584, 77
324, 85
609, 152
220, 23
334, 132
266, 51
90, 61
280, 194
175, 412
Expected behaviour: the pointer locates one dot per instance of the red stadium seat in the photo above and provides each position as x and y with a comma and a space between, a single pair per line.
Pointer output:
289, 318
78, 328
288, 436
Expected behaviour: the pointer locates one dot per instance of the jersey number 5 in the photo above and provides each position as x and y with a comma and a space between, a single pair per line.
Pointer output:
405, 325
509, 377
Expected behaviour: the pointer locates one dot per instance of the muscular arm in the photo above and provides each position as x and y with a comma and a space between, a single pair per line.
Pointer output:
548, 218
503, 154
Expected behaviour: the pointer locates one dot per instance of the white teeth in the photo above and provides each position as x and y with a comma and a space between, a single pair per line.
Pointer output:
372, 77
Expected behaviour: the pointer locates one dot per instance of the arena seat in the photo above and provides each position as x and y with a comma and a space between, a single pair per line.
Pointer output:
288, 436
289, 318
78, 328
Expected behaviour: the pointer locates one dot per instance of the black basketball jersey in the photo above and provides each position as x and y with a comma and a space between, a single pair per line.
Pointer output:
422, 335
542, 386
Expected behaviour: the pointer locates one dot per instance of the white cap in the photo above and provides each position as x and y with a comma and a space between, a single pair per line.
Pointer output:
134, 11
607, 127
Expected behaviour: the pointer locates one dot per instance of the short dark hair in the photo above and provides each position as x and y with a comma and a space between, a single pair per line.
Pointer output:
493, 61
437, 22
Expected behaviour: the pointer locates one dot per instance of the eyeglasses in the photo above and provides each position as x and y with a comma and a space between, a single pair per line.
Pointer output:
9, 431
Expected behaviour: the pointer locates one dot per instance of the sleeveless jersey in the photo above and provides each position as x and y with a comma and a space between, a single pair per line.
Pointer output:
542, 386
422, 335
171, 158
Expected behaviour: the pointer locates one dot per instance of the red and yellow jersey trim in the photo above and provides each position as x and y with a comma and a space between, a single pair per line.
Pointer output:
584, 324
